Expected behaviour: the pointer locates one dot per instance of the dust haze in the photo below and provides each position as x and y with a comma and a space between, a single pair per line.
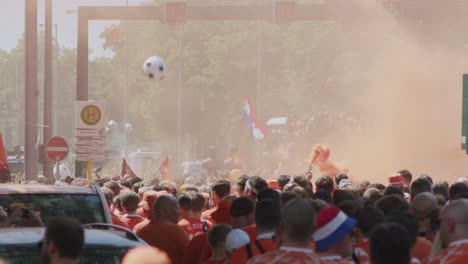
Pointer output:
412, 99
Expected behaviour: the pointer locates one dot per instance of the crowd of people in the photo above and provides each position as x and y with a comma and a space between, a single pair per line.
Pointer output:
293, 219
297, 219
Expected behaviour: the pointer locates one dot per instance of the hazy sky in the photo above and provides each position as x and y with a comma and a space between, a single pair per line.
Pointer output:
12, 22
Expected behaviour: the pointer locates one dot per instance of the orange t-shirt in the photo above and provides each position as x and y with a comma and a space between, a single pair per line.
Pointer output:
193, 226
422, 249
139, 226
241, 255
116, 220
194, 250
168, 237
456, 253
131, 220
143, 213
251, 230
287, 255
362, 252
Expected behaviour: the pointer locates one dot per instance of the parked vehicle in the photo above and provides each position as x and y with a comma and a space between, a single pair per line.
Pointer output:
30, 205
101, 246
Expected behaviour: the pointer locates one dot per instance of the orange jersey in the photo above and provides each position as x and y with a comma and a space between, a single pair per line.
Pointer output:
131, 220
194, 253
255, 248
422, 249
456, 253
194, 226
362, 252
168, 237
287, 255
251, 230
334, 260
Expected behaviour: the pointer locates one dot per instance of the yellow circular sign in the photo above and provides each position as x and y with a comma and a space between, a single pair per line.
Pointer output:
91, 115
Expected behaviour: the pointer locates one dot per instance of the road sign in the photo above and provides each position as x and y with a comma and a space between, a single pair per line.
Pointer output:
57, 149
90, 114
90, 131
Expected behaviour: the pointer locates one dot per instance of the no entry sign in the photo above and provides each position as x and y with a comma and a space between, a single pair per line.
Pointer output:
57, 149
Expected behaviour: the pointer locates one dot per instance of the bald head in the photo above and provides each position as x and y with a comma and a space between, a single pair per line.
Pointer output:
146, 255
166, 208
423, 204
299, 221
454, 222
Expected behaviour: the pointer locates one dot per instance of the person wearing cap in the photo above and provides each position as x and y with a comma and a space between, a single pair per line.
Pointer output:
333, 241
146, 255
398, 181
163, 232
267, 219
217, 241
295, 232
453, 234
234, 240
344, 183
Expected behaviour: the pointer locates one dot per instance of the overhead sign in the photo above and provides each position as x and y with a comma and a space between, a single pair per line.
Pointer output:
57, 149
90, 140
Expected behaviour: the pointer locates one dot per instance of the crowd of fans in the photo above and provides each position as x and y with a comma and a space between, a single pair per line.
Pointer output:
297, 219
294, 219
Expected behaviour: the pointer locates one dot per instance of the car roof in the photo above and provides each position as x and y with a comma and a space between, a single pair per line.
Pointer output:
93, 237
38, 189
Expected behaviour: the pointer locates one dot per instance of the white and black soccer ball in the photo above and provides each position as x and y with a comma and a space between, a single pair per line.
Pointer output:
154, 68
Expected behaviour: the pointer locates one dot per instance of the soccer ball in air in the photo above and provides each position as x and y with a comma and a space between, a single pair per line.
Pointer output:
154, 68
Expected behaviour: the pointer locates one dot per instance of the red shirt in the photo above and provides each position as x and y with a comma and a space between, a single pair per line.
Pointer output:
456, 253
195, 253
131, 220
193, 227
265, 241
287, 255
251, 230
362, 252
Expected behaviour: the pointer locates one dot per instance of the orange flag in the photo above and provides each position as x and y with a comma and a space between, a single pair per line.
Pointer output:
3, 154
126, 169
165, 169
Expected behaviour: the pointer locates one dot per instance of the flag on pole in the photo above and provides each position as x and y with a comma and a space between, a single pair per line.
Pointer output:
126, 169
165, 169
3, 154
250, 116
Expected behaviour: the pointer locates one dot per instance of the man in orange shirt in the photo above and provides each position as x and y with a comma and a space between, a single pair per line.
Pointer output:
220, 189
453, 234
109, 195
192, 222
163, 232
267, 218
368, 217
130, 202
297, 226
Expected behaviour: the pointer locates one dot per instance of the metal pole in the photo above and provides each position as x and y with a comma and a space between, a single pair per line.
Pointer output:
47, 128
126, 89
82, 72
31, 93
55, 77
179, 100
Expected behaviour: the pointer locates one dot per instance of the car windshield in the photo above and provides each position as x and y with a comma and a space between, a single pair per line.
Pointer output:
89, 256
29, 210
